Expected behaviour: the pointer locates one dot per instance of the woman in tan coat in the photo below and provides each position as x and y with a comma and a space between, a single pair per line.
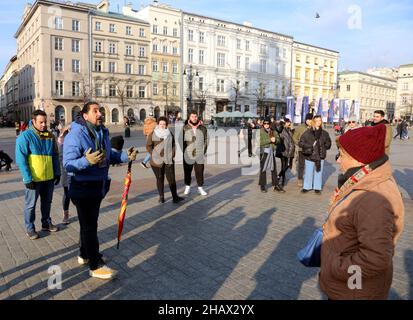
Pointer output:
149, 125
365, 220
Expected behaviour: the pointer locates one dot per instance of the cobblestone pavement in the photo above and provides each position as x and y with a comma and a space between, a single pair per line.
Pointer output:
236, 243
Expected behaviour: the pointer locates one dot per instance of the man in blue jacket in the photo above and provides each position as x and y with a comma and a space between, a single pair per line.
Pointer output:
38, 160
87, 155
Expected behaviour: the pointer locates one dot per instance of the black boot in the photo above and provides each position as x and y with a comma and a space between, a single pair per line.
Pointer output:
161, 199
178, 199
263, 189
278, 188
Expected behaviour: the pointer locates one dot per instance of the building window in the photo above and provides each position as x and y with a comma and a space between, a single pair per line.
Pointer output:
58, 43
141, 91
404, 100
247, 87
165, 31
220, 85
220, 59
190, 35
175, 50
221, 41
128, 30
165, 49
201, 84
59, 87
112, 67
247, 45
76, 66
98, 26
246, 108
247, 63
175, 32
307, 59
142, 52
115, 115
277, 52
155, 66
141, 32
165, 90
174, 90
405, 86
239, 44
129, 91
238, 62
154, 47
263, 49
155, 89
58, 22
201, 37
155, 29
75, 89
98, 46
98, 66
75, 45
298, 58
112, 48
348, 87
58, 64
128, 50
316, 61
128, 68
165, 67
112, 28
98, 90
76, 25
284, 53
190, 55
112, 90
201, 56
263, 66
141, 69
283, 69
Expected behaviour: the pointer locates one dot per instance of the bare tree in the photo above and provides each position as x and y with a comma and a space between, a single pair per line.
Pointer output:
236, 90
260, 94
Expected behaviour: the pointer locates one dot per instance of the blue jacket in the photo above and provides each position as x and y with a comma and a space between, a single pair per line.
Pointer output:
37, 156
77, 142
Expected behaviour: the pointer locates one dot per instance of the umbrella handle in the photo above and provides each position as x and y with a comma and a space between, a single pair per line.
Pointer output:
129, 165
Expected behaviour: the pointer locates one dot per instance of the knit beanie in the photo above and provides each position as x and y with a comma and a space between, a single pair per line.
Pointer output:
365, 144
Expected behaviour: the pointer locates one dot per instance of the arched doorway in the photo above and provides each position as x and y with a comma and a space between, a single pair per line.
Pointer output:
115, 116
157, 112
102, 110
142, 114
131, 113
75, 112
59, 113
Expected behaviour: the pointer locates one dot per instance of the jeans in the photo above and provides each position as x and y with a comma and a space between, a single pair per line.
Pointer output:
147, 158
312, 178
87, 197
43, 189
301, 165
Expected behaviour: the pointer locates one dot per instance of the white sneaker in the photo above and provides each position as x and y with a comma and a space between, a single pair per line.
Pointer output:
187, 190
82, 261
103, 272
202, 191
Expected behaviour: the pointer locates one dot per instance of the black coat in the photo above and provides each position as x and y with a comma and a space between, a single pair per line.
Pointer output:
310, 151
288, 142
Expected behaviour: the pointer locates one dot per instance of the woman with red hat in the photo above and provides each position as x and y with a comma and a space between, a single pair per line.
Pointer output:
365, 220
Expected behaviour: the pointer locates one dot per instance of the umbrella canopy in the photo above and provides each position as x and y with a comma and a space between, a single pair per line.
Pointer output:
122, 213
236, 114
223, 114
249, 114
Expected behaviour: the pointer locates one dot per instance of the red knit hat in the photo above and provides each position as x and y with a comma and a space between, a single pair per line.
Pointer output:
364, 144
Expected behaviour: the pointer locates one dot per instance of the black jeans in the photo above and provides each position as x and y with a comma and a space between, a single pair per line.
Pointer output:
160, 172
66, 199
286, 163
263, 175
199, 173
87, 197
301, 166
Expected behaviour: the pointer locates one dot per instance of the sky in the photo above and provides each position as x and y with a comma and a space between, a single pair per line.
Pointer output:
366, 33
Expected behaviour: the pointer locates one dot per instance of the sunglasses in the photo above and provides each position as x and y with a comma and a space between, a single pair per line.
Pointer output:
266, 123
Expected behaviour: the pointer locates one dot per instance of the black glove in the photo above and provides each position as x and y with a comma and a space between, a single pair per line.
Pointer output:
56, 180
31, 185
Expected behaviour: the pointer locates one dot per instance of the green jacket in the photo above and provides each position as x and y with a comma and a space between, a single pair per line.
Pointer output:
265, 140
298, 133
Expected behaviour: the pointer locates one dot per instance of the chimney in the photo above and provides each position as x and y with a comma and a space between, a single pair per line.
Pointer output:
103, 6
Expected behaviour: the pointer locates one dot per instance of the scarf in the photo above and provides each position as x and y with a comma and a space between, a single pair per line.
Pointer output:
97, 132
162, 133
353, 176
163, 153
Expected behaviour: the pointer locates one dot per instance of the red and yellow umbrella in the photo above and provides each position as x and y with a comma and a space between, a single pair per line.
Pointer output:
122, 213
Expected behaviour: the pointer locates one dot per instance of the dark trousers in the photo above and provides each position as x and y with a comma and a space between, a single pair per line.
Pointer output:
263, 175
249, 146
87, 197
286, 163
160, 172
199, 173
300, 166
66, 199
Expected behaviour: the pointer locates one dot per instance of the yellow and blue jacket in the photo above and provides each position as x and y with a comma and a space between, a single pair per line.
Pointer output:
37, 155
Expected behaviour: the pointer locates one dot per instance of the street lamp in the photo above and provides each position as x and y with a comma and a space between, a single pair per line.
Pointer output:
190, 75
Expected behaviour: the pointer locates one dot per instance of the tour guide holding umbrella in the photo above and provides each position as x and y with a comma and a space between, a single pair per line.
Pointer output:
87, 155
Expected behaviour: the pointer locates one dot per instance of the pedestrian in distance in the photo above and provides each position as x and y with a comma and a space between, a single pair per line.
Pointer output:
65, 179
300, 160
149, 125
87, 156
37, 157
287, 150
